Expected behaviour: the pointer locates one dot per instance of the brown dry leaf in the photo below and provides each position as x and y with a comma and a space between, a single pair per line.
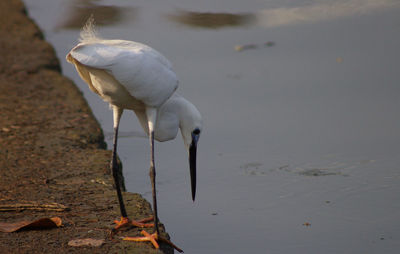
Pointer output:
86, 242
43, 223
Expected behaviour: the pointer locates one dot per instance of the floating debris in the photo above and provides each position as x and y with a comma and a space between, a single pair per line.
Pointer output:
254, 46
318, 172
244, 47
269, 44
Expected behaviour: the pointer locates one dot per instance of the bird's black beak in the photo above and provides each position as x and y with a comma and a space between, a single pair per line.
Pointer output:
192, 163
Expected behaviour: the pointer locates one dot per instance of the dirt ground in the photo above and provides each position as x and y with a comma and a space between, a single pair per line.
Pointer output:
52, 150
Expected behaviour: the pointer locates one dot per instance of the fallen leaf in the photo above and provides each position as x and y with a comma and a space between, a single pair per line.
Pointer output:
86, 242
43, 223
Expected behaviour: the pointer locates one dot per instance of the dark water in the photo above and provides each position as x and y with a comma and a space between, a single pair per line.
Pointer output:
300, 149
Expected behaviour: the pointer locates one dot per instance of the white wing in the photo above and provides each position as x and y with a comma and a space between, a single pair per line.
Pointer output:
144, 72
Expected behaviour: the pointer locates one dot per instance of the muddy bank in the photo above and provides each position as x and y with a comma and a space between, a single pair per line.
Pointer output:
52, 150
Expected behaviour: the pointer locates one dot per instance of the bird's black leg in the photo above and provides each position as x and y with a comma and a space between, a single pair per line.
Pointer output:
153, 182
114, 168
117, 112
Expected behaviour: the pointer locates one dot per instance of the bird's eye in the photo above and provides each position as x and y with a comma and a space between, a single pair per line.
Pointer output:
196, 131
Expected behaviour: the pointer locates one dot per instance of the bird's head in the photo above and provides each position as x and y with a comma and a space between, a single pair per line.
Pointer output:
191, 126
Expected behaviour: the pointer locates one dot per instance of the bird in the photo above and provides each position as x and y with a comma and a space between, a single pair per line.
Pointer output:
133, 76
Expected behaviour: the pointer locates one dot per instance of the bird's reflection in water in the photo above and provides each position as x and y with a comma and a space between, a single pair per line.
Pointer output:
210, 20
79, 11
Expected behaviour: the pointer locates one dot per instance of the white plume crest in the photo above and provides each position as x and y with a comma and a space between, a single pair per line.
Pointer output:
88, 32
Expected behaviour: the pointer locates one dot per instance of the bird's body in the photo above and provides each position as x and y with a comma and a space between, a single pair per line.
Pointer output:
119, 71
130, 75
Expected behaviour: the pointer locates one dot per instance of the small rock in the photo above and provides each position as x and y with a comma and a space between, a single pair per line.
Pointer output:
5, 129
86, 242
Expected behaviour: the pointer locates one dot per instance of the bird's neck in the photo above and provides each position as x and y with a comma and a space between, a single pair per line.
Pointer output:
176, 113
188, 117
181, 107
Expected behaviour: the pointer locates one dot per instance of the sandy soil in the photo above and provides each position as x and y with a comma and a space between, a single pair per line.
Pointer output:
52, 150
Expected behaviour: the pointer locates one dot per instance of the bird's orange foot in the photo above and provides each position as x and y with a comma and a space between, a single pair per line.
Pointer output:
153, 238
126, 222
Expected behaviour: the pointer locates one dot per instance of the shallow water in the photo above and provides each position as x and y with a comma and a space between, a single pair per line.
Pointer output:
300, 148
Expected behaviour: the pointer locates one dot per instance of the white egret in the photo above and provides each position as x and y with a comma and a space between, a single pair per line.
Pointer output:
131, 75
